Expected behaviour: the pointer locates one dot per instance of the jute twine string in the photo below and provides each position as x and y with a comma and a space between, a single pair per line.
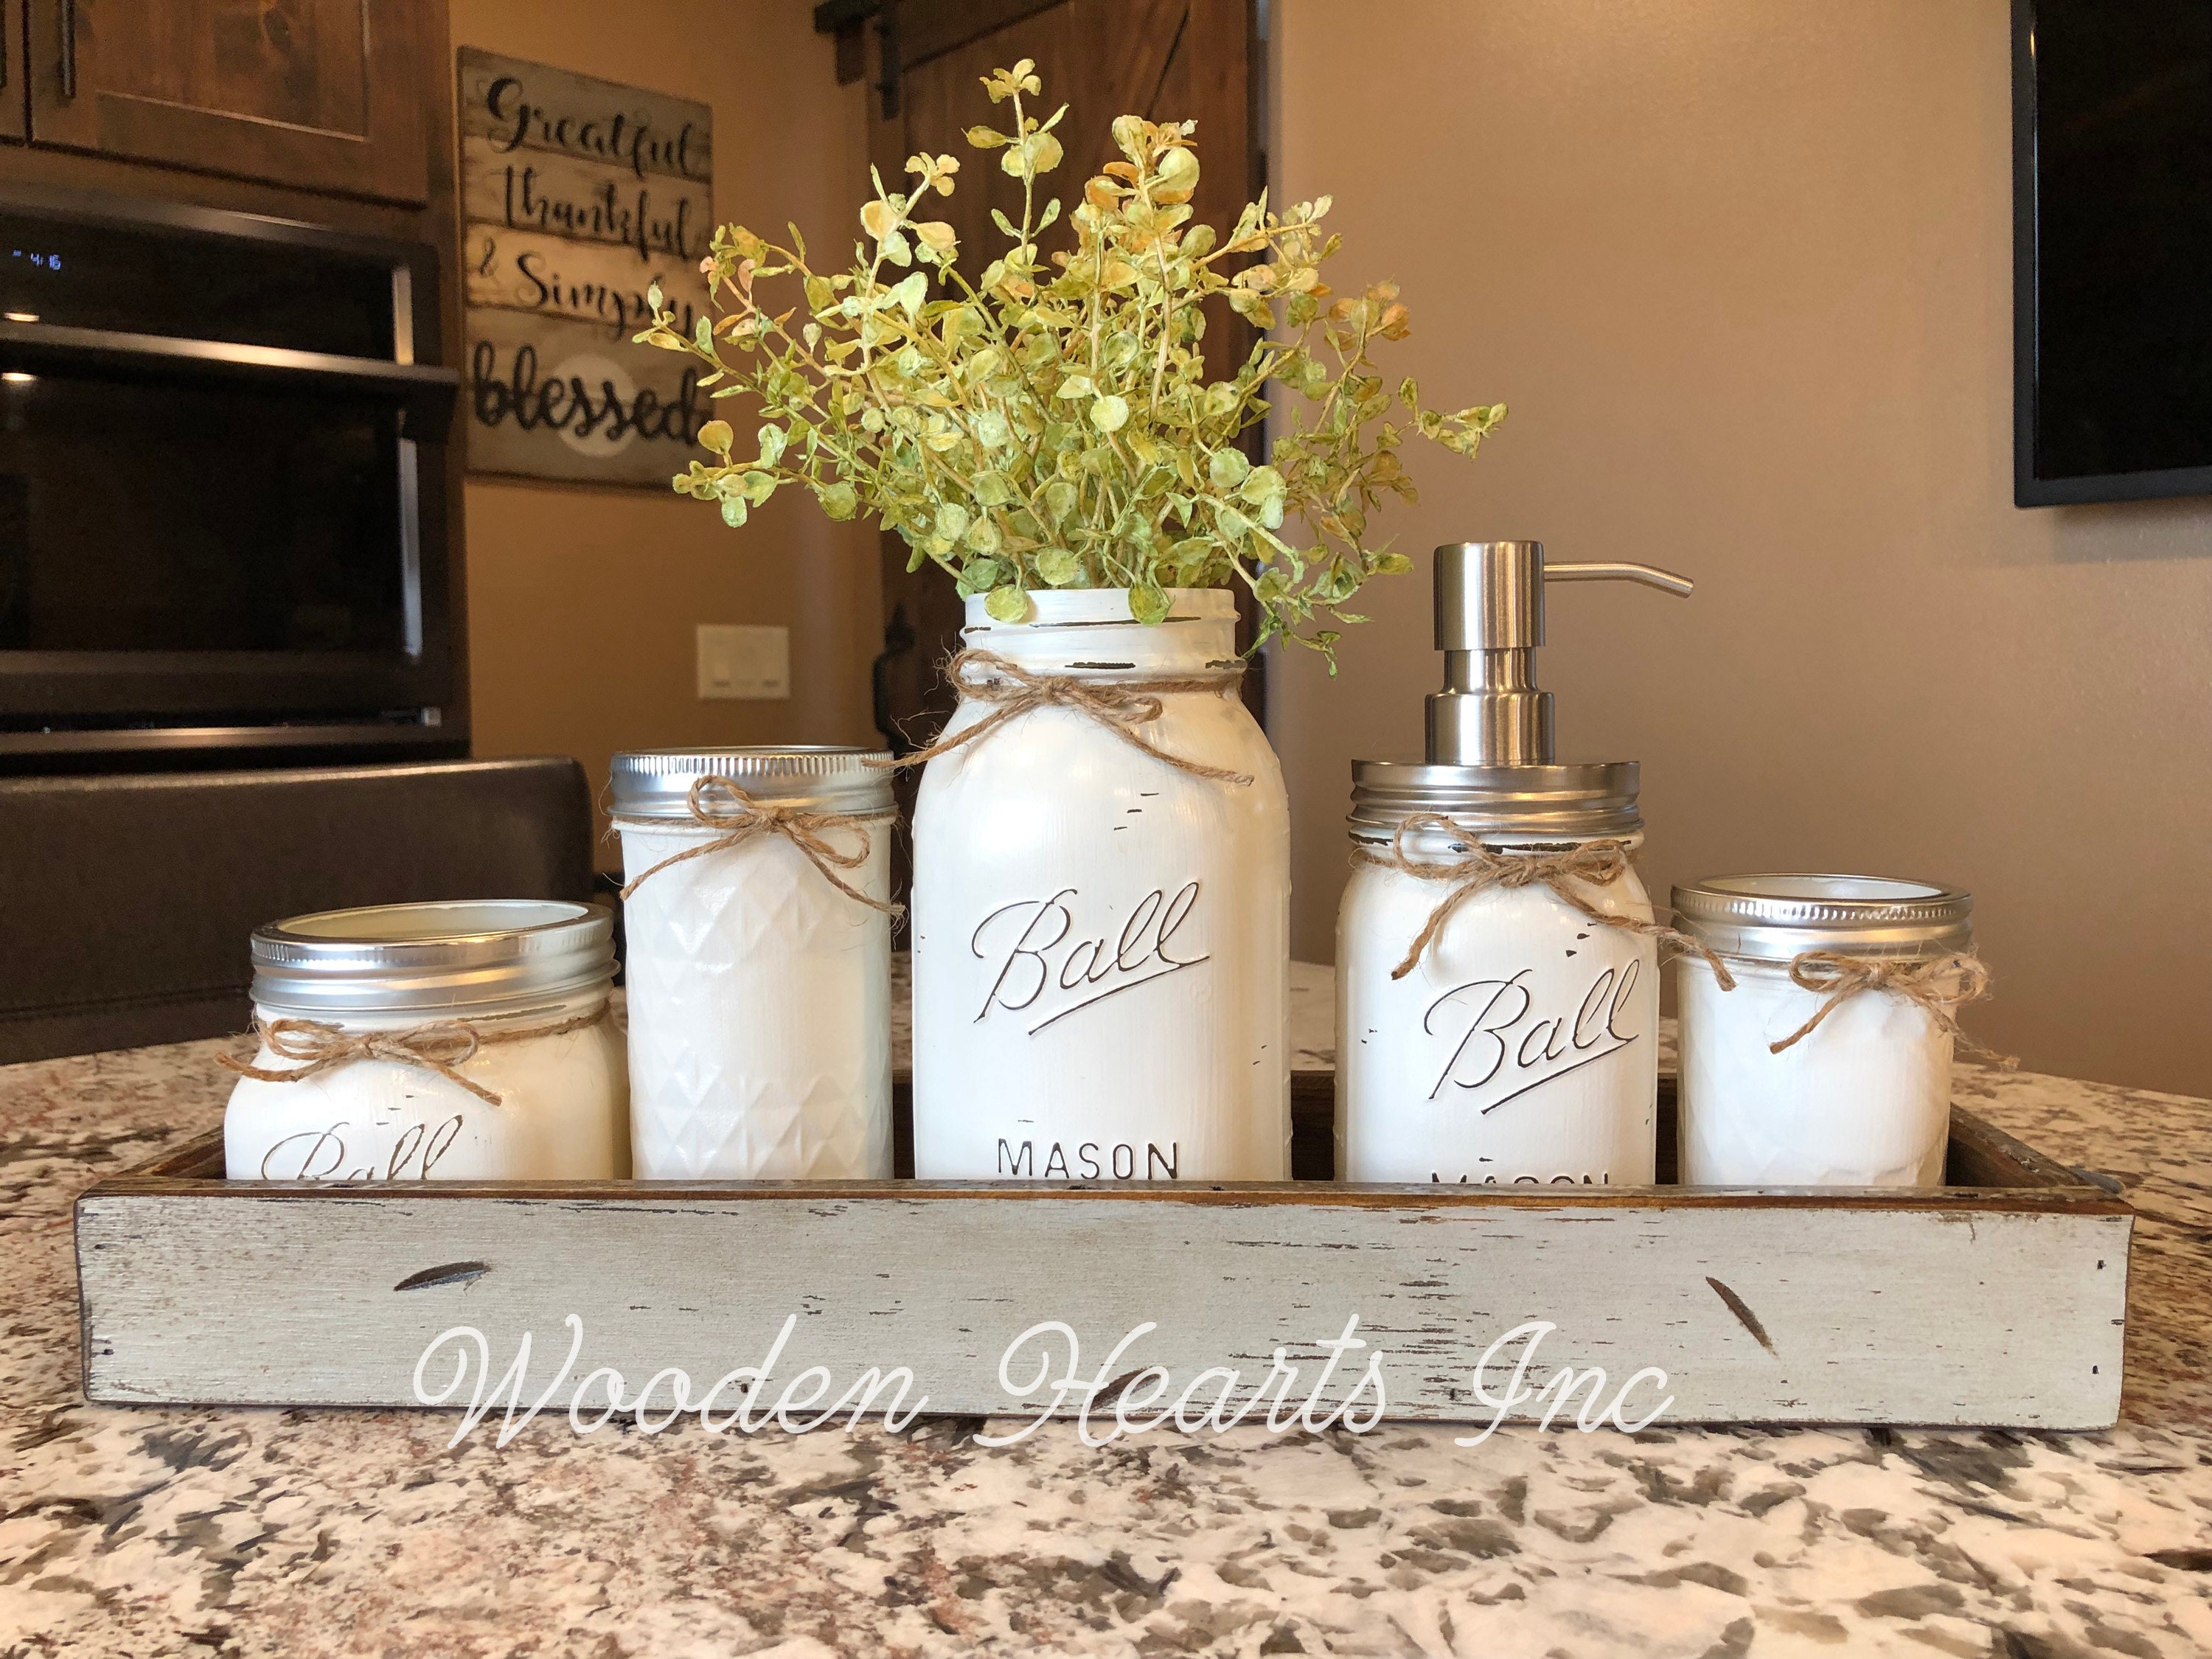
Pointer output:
1942, 987
744, 817
443, 1046
1479, 869
1120, 707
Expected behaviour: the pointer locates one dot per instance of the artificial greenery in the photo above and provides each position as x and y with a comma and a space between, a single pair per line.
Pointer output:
1052, 425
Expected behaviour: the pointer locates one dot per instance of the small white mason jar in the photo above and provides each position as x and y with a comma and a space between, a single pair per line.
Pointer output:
442, 1042
759, 989
1101, 940
1861, 1100
1521, 1048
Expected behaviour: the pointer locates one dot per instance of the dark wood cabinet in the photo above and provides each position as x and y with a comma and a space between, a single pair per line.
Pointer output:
322, 95
14, 107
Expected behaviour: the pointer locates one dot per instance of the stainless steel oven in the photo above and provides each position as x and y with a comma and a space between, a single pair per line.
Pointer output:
222, 489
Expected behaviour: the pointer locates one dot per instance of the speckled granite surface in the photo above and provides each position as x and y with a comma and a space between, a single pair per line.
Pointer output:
141, 1532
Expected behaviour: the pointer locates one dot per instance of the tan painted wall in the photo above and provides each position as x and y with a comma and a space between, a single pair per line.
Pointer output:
583, 599
1742, 270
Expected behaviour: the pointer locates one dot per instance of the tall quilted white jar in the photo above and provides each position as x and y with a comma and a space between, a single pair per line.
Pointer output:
1101, 939
759, 990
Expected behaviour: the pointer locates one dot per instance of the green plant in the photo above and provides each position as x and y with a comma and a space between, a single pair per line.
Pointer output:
1050, 424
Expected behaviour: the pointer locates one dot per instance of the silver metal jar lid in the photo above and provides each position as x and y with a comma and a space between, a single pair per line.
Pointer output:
1772, 918
657, 786
432, 958
1546, 803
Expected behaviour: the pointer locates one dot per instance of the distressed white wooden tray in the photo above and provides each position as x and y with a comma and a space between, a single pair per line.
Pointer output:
1998, 1300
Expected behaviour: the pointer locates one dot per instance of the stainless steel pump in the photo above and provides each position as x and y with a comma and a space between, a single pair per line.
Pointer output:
1490, 620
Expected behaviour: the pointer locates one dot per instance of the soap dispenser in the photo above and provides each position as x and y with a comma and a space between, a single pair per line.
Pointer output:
1496, 960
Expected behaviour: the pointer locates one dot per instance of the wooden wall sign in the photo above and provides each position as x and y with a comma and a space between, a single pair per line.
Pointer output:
577, 196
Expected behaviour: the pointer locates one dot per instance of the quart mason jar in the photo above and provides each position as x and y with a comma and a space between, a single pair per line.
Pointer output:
1101, 961
759, 991
1863, 1099
1521, 1047
502, 1063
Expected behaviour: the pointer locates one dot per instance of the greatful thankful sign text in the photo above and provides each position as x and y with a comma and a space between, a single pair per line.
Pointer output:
577, 196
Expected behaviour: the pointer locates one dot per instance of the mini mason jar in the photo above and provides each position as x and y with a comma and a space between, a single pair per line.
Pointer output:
757, 913
442, 1042
1861, 1099
1518, 1044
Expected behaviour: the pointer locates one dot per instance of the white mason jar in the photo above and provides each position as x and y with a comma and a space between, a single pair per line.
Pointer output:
456, 1042
759, 989
1101, 940
1521, 1048
1861, 1100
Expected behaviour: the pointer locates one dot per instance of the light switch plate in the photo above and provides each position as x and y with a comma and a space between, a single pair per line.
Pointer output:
745, 662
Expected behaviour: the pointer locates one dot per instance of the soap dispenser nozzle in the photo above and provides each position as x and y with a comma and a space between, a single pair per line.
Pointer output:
1490, 620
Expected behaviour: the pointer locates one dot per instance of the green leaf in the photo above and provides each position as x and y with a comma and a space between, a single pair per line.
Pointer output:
911, 292
979, 576
771, 445
839, 501
733, 510
1147, 603
1110, 414
717, 436
1227, 468
951, 520
1077, 385
1008, 605
992, 431
1058, 567
1025, 158
1263, 483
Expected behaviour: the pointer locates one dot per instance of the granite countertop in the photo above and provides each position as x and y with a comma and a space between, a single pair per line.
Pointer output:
299, 1532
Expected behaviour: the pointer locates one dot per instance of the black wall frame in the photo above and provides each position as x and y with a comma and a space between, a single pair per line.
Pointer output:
2030, 487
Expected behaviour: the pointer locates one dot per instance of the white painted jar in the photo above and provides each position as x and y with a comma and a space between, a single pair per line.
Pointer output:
1101, 940
1865, 1098
426, 983
759, 991
1521, 1048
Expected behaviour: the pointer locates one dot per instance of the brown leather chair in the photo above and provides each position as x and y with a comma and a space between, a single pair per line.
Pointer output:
126, 902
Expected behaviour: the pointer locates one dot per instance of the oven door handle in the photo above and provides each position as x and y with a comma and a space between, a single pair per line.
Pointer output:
424, 391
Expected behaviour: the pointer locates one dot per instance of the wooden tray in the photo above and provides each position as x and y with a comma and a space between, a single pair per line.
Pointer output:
1999, 1299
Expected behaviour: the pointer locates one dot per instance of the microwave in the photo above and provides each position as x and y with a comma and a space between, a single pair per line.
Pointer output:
222, 490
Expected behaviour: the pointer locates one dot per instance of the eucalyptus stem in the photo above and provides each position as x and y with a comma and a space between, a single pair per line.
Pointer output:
1051, 423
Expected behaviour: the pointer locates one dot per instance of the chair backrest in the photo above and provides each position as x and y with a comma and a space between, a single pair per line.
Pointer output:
126, 902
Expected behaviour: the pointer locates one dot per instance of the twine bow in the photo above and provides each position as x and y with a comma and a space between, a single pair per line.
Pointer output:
746, 817
1942, 987
443, 1046
1120, 707
1479, 869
